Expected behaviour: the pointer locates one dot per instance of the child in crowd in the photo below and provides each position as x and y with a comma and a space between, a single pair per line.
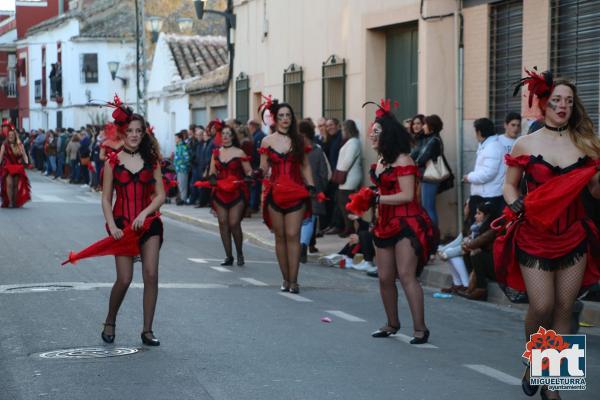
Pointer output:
359, 242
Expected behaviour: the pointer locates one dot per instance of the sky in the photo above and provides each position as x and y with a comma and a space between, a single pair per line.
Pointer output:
7, 5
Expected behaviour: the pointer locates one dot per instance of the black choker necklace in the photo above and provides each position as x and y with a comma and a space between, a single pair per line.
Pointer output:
231, 145
282, 133
560, 130
131, 153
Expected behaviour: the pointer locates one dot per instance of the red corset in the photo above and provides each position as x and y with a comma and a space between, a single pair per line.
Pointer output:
134, 191
232, 169
387, 183
283, 164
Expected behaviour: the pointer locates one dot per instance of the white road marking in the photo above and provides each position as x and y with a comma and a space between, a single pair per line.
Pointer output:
221, 269
494, 373
346, 316
220, 259
198, 260
49, 198
407, 339
86, 199
295, 297
39, 287
254, 282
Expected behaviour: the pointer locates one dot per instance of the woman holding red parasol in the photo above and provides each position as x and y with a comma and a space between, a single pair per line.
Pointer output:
288, 189
229, 173
550, 247
133, 223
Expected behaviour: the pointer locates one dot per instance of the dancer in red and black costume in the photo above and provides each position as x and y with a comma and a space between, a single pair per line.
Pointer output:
229, 175
550, 248
287, 192
15, 190
404, 235
134, 175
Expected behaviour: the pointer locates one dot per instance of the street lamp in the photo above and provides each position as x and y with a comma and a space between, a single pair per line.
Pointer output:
185, 24
113, 67
154, 25
229, 23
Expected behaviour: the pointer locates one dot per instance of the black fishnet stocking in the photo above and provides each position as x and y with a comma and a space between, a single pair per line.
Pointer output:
150, 256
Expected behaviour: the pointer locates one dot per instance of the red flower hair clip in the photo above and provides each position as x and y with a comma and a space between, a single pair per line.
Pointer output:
150, 130
383, 108
122, 113
539, 84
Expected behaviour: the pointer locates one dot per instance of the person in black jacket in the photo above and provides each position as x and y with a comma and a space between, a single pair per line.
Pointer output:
204, 155
431, 149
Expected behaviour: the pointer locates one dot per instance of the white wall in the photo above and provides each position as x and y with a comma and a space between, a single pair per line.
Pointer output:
168, 115
76, 111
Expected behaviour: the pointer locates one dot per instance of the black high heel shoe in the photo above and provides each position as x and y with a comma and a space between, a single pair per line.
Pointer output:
294, 288
385, 331
107, 338
422, 340
285, 286
228, 261
149, 341
528, 389
240, 261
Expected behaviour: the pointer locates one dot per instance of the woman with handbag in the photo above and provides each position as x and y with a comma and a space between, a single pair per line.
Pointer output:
348, 173
432, 150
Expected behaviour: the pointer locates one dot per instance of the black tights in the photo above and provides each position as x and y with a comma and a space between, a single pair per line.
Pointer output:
551, 297
124, 265
12, 186
287, 241
230, 225
400, 262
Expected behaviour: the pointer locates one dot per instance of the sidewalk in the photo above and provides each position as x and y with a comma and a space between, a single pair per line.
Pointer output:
436, 274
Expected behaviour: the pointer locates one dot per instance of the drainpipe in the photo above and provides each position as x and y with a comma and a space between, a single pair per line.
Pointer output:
458, 37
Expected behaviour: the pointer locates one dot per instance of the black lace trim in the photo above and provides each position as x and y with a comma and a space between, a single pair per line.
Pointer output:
552, 264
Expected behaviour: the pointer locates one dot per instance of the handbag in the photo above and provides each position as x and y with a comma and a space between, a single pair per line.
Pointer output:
339, 177
436, 170
84, 161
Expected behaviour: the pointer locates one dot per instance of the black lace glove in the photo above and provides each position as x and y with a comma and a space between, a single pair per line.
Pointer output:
517, 206
212, 179
311, 190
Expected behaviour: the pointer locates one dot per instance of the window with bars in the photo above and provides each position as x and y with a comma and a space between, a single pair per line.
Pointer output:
506, 48
334, 88
293, 88
37, 91
11, 90
89, 68
575, 49
242, 97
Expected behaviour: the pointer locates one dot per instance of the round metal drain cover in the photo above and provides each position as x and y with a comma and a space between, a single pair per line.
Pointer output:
38, 288
90, 352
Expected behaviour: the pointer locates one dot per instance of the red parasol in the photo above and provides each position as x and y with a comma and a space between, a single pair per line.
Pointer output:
547, 202
229, 184
128, 245
286, 192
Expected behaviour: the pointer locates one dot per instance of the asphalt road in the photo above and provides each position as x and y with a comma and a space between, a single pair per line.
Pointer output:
229, 333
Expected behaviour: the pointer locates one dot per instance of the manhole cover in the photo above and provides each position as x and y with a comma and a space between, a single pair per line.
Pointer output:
90, 352
38, 288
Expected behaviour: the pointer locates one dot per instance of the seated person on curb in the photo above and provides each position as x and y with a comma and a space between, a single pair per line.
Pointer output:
359, 242
479, 248
453, 253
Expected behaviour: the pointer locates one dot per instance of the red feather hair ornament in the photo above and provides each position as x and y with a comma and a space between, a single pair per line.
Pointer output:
538, 84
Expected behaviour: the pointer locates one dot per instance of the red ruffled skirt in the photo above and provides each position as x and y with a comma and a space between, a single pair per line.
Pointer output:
23, 194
